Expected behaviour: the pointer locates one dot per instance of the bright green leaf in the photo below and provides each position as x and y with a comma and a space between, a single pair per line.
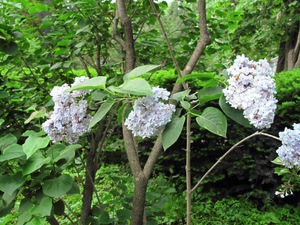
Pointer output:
56, 66
93, 83
43, 209
180, 96
186, 105
68, 153
138, 86
209, 94
213, 120
102, 111
7, 140
140, 71
10, 183
33, 143
35, 162
36, 114
11, 152
172, 131
58, 187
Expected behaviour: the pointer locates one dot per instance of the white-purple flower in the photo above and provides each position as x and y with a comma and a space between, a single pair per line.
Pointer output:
252, 88
150, 113
289, 152
69, 119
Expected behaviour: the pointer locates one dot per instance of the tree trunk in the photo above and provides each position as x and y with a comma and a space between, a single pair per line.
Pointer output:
139, 200
91, 167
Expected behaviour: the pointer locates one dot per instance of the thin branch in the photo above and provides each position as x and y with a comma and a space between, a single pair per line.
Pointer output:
72, 212
229, 151
203, 41
154, 154
115, 31
168, 42
98, 60
188, 171
85, 66
131, 150
129, 41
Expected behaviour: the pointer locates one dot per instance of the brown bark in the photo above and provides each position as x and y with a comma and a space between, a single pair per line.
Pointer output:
91, 167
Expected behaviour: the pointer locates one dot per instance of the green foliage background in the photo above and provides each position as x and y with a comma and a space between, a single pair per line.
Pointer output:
44, 45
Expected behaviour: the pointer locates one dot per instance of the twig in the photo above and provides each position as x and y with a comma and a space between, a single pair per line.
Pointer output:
230, 150
168, 41
188, 171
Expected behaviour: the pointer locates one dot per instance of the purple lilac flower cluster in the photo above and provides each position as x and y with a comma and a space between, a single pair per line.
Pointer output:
289, 152
69, 119
150, 113
252, 88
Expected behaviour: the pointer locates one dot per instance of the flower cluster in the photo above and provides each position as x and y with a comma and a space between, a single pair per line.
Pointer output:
252, 88
150, 113
69, 119
289, 152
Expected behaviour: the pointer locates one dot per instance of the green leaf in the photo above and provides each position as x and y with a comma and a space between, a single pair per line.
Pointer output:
277, 161
180, 96
35, 162
38, 7
172, 131
7, 140
68, 153
34, 143
10, 183
139, 71
56, 66
137, 86
197, 76
93, 83
102, 111
12, 152
232, 113
36, 114
43, 209
104, 218
33, 133
123, 215
209, 94
186, 105
1, 121
213, 120
58, 187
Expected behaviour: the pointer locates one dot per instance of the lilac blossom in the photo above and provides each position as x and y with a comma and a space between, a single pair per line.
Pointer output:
150, 113
69, 119
289, 152
251, 89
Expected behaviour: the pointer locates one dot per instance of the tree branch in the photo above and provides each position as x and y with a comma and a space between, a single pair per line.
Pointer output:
230, 150
129, 41
203, 41
131, 150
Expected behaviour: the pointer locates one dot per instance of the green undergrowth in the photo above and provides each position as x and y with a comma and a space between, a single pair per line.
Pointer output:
166, 205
